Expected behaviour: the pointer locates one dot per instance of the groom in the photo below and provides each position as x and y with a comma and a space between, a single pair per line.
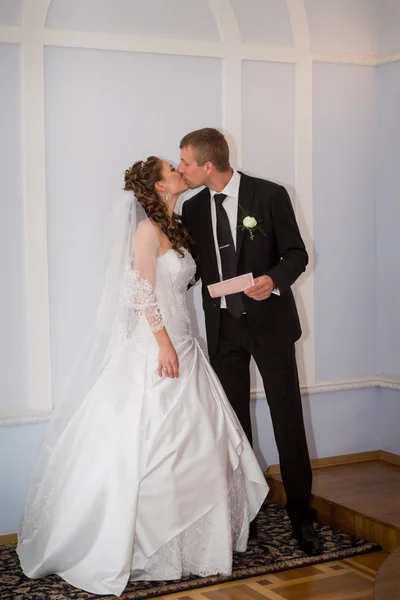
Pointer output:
242, 224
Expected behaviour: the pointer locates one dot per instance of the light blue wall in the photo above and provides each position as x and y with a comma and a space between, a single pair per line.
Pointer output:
13, 347
388, 253
388, 219
336, 423
11, 12
18, 448
389, 420
344, 117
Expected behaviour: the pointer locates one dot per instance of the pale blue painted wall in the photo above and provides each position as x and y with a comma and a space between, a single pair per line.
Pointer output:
18, 448
388, 219
388, 249
389, 420
344, 117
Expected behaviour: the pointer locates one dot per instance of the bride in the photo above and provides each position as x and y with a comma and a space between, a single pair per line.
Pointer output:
145, 472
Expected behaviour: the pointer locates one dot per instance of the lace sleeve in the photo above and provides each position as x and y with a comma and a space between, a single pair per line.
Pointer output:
141, 298
141, 278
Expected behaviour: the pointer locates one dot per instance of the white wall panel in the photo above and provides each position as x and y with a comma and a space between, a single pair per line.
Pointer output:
268, 121
11, 12
344, 163
263, 22
104, 111
189, 19
13, 338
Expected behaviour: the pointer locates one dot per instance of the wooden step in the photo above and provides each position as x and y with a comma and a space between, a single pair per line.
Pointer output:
357, 493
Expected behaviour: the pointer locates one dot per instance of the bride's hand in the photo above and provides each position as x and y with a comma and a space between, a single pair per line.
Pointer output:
168, 363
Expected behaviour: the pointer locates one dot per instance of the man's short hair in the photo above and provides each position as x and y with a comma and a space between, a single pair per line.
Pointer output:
209, 145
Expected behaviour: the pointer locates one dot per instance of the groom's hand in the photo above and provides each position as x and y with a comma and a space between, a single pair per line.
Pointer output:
262, 288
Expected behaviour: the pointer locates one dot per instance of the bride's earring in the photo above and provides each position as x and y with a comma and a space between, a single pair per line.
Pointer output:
166, 197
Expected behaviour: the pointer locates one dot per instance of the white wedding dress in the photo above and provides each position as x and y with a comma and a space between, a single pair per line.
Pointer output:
153, 478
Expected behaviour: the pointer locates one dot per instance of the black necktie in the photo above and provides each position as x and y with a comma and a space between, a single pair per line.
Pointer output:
234, 302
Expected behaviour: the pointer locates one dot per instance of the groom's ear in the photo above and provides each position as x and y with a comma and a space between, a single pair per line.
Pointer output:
209, 167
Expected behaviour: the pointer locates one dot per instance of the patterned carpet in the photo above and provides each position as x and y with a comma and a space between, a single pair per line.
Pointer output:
274, 550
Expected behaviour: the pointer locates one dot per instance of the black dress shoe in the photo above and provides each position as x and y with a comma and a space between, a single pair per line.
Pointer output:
253, 533
308, 540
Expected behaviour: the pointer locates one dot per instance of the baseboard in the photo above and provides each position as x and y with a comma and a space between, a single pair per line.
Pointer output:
11, 538
333, 461
389, 457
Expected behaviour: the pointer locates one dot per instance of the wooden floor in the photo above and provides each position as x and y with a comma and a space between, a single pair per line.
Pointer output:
360, 498
339, 580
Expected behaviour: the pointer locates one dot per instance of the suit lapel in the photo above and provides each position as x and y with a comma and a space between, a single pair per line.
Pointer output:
246, 197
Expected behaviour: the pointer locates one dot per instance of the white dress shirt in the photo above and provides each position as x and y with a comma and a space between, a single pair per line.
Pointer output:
231, 206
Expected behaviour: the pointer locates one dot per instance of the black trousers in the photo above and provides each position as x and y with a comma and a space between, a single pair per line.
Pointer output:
278, 370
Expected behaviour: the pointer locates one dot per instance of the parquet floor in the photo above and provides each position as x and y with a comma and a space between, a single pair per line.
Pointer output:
346, 579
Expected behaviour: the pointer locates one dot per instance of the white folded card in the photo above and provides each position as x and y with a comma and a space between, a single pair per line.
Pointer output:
231, 286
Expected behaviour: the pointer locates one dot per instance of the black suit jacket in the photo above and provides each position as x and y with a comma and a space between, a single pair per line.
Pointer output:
281, 254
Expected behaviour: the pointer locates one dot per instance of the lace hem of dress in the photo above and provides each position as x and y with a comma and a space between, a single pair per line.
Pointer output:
205, 548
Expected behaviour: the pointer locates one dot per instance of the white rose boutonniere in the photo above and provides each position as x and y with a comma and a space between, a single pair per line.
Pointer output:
248, 222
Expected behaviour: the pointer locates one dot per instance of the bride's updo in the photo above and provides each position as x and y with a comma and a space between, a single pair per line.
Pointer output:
141, 178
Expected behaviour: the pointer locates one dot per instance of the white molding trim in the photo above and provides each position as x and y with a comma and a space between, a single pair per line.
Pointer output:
34, 14
368, 60
38, 308
388, 383
23, 418
340, 385
389, 57
299, 24
130, 43
126, 43
352, 384
284, 54
226, 20
230, 46
303, 179
346, 59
